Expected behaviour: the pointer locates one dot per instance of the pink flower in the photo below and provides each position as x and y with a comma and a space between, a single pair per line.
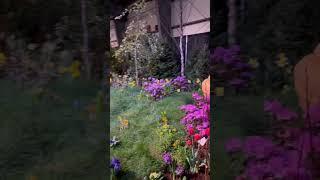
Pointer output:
191, 131
205, 132
197, 137
189, 142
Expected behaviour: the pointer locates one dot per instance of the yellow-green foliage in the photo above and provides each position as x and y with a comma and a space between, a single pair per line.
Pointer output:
253, 62
73, 69
286, 68
3, 59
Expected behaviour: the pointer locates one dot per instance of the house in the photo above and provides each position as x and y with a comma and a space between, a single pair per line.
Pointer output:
164, 17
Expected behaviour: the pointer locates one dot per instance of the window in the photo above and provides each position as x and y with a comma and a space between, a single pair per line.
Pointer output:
148, 28
156, 28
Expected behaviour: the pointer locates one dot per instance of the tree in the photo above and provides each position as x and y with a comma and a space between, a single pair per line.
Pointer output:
134, 34
232, 22
181, 38
85, 54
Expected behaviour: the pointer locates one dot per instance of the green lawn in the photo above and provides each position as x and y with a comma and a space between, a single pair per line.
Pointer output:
47, 138
136, 151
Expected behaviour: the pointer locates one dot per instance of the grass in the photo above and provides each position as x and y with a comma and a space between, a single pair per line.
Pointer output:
136, 151
47, 138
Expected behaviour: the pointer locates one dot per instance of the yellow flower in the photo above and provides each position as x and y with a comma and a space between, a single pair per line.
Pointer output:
165, 121
124, 123
3, 59
74, 69
132, 83
253, 62
198, 81
165, 126
176, 143
75, 74
282, 61
167, 80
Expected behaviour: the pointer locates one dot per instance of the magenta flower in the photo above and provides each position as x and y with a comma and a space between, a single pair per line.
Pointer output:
188, 108
196, 96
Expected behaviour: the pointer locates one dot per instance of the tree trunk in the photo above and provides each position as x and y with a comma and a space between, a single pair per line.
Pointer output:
243, 10
186, 52
136, 66
181, 38
232, 22
85, 54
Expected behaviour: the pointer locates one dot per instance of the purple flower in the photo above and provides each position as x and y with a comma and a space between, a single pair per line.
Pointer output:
180, 82
300, 173
285, 114
258, 147
155, 88
189, 108
167, 158
314, 114
272, 106
179, 170
233, 145
276, 109
196, 96
115, 164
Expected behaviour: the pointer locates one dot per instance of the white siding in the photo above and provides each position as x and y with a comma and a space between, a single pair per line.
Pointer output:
113, 35
193, 10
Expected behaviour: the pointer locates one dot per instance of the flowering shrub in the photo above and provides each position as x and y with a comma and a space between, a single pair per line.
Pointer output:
290, 152
230, 68
159, 88
156, 88
181, 83
197, 126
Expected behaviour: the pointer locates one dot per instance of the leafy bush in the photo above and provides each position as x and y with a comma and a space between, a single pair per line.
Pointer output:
198, 65
159, 88
231, 70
